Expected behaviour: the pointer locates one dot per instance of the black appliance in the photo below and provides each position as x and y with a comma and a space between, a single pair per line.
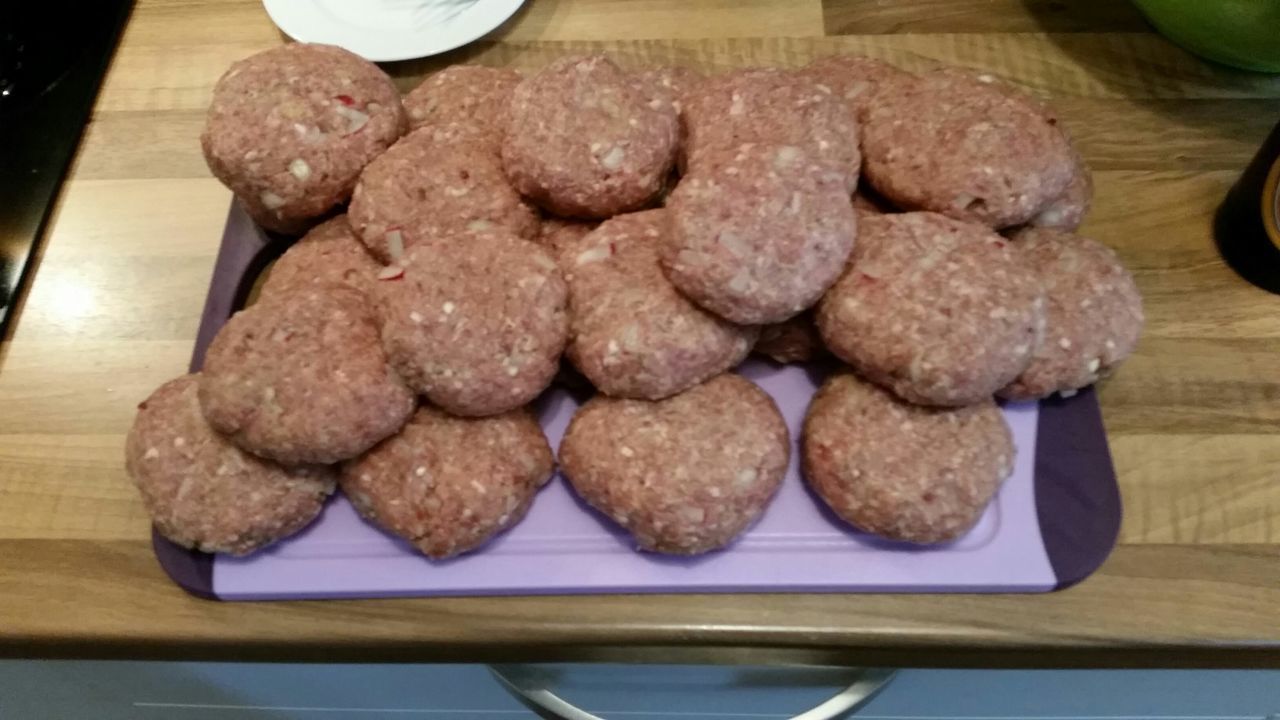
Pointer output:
53, 55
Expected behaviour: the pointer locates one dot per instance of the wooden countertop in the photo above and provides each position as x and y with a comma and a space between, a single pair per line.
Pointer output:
1194, 418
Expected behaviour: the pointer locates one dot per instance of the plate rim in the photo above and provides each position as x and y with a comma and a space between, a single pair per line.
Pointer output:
286, 14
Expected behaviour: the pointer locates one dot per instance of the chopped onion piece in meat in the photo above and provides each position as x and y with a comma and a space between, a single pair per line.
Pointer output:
271, 201
395, 244
300, 169
356, 120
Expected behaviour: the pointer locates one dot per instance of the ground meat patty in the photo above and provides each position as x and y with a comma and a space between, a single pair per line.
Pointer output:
289, 227
941, 312
330, 254
684, 475
759, 232
1093, 317
464, 94
955, 145
201, 491
557, 232
476, 323
290, 129
790, 341
449, 484
852, 78
1068, 210
589, 140
900, 471
770, 106
437, 181
631, 333
302, 378
677, 80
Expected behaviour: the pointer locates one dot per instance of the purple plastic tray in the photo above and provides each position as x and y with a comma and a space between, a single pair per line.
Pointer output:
1052, 524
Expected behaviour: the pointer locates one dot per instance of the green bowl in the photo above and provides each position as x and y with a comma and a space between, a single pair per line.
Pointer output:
1243, 33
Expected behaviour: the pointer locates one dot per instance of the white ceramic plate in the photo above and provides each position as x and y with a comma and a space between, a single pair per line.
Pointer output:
387, 30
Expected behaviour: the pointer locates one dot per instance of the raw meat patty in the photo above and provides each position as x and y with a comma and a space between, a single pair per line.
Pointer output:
758, 233
588, 140
201, 491
631, 333
955, 145
677, 80
941, 312
330, 254
770, 106
436, 182
557, 232
853, 78
901, 471
302, 378
464, 94
449, 484
290, 129
1067, 210
685, 475
476, 323
1093, 318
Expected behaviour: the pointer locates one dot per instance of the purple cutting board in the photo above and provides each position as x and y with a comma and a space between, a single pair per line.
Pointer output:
1052, 524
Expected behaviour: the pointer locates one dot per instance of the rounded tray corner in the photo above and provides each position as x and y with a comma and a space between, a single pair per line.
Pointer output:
190, 569
1078, 502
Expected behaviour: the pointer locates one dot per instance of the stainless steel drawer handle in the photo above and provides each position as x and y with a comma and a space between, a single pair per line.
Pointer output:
529, 686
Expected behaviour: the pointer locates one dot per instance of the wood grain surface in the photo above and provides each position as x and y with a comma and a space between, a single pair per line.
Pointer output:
1194, 418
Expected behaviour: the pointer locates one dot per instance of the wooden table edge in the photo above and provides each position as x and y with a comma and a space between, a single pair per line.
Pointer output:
1173, 656
1054, 630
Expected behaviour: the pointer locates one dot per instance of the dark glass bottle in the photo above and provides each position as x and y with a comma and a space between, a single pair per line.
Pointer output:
1247, 225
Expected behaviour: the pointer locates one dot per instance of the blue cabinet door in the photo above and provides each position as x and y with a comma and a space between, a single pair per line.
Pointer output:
226, 691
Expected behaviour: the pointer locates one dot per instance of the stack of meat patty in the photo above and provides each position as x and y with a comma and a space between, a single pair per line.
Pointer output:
651, 228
